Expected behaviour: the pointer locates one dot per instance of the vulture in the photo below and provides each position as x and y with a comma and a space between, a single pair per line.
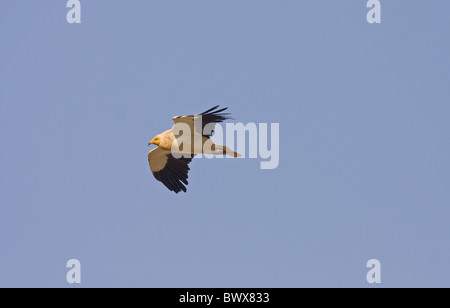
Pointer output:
176, 147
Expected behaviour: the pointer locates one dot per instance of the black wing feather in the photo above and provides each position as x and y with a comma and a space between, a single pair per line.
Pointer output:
175, 173
213, 115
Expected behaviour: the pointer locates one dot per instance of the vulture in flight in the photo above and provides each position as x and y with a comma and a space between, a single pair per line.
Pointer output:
171, 167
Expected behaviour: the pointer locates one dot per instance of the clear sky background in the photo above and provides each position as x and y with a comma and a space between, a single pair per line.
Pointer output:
364, 113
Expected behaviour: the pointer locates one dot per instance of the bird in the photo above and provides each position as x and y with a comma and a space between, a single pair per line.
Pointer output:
170, 159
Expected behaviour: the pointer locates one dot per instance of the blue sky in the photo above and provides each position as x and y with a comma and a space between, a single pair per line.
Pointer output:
364, 143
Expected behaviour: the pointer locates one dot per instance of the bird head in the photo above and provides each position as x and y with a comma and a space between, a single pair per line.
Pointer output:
155, 141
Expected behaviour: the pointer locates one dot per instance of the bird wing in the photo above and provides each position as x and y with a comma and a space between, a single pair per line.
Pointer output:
171, 171
213, 115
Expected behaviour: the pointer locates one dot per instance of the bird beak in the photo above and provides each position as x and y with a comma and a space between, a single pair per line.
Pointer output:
151, 142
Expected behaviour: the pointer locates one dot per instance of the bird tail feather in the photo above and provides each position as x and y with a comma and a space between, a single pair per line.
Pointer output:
227, 151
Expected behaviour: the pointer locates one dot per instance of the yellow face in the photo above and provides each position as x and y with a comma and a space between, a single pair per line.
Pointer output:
155, 141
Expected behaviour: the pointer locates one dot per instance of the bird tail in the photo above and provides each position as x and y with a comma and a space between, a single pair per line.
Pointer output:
227, 151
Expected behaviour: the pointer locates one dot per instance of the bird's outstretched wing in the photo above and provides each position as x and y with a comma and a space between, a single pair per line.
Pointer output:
213, 115
171, 171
